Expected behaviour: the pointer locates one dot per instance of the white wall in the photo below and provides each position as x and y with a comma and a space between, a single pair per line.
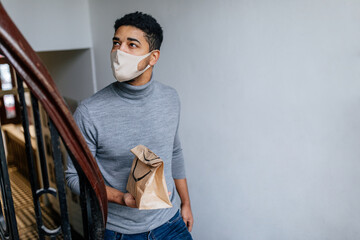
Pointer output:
60, 32
71, 71
270, 122
52, 25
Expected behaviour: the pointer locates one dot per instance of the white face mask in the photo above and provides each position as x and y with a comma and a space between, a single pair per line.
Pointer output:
125, 66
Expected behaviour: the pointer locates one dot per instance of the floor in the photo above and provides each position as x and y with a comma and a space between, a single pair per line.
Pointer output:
24, 208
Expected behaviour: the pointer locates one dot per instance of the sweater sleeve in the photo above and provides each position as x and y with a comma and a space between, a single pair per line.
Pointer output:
178, 165
88, 130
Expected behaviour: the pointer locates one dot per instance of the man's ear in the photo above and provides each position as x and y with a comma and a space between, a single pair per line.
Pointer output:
154, 57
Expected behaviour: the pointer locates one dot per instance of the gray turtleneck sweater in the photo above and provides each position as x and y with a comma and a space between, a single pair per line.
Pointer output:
118, 118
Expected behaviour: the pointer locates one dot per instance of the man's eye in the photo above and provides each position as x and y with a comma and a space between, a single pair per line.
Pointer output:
116, 43
133, 45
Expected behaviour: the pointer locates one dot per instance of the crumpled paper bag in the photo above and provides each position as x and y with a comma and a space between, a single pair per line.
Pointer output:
146, 181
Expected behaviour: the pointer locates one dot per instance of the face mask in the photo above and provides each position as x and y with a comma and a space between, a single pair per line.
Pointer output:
125, 66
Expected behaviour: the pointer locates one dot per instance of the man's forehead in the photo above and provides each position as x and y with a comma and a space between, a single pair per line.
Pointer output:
125, 32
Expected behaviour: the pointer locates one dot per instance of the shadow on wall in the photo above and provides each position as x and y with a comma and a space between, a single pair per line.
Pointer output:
71, 71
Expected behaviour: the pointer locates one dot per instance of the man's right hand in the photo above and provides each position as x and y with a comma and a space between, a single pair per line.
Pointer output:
116, 196
129, 200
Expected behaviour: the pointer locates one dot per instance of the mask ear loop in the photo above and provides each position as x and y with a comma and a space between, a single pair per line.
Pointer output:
133, 173
148, 66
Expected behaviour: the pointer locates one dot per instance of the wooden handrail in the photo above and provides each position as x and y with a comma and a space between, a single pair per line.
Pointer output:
30, 68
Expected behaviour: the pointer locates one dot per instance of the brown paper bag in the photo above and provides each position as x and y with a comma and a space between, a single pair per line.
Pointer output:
146, 180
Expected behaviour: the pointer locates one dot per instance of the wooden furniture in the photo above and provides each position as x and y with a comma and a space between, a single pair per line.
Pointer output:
15, 143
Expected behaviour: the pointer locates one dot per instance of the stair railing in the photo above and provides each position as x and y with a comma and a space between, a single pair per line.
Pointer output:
93, 200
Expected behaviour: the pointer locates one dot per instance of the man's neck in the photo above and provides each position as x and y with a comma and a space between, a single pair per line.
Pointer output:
142, 79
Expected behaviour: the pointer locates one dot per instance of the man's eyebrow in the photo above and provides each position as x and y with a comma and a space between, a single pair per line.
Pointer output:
116, 38
133, 39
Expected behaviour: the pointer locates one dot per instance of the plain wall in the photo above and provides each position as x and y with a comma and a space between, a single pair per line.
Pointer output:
72, 72
60, 32
270, 122
50, 25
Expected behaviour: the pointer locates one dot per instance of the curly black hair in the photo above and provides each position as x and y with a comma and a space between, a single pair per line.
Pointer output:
146, 23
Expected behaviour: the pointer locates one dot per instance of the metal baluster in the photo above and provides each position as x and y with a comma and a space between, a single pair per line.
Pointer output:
85, 205
92, 218
40, 142
10, 231
44, 172
29, 154
98, 228
60, 181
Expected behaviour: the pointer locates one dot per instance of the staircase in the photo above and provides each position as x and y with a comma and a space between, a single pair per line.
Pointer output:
93, 200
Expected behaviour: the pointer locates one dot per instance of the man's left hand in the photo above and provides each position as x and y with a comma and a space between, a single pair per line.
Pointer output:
187, 216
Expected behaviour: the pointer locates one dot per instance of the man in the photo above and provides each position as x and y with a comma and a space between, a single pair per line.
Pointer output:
135, 110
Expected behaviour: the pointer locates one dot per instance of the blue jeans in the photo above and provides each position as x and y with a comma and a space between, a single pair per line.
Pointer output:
174, 229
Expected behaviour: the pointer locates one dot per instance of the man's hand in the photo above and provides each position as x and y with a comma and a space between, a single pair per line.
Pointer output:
129, 200
187, 216
119, 197
181, 187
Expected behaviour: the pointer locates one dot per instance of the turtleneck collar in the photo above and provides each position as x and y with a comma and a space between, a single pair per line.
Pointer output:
131, 92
